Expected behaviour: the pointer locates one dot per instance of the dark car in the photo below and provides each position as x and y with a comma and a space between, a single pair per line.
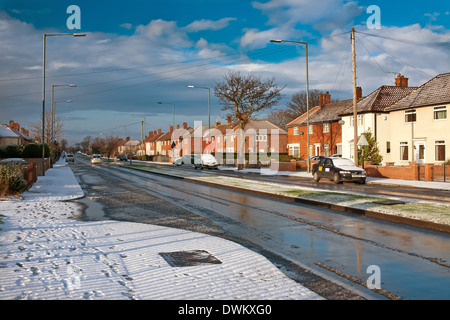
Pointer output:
123, 158
338, 170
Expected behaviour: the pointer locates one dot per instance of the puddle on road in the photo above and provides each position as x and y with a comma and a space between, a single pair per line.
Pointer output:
91, 210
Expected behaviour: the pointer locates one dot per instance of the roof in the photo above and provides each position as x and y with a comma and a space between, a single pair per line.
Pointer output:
380, 99
435, 91
251, 124
7, 132
132, 142
153, 138
302, 118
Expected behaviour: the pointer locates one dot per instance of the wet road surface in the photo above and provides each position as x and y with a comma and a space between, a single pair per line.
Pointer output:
413, 262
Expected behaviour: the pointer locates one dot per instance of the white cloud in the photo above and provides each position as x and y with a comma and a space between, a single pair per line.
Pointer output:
127, 26
201, 25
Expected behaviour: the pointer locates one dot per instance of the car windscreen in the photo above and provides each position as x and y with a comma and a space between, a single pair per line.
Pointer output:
344, 163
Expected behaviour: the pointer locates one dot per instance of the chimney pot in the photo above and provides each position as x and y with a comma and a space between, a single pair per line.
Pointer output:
401, 81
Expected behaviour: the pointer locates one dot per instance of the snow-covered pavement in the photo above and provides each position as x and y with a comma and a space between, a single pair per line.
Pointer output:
44, 254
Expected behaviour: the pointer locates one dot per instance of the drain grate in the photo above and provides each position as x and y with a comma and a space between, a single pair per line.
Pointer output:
389, 202
189, 258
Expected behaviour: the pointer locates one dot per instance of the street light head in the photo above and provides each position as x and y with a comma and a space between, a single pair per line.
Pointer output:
159, 102
276, 41
191, 87
69, 101
72, 85
79, 34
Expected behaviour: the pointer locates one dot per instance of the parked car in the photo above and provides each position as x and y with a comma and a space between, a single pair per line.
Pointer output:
70, 158
123, 158
205, 161
96, 158
338, 170
187, 159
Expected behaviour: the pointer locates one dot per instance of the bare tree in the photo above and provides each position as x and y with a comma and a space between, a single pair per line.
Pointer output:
245, 96
280, 118
36, 128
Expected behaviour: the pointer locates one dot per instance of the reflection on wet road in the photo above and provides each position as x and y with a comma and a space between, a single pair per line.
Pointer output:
414, 263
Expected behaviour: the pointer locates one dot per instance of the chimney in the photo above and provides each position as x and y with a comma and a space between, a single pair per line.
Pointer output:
358, 92
150, 134
321, 100
185, 125
401, 81
17, 126
11, 124
159, 131
178, 126
171, 129
228, 119
217, 123
326, 98
127, 139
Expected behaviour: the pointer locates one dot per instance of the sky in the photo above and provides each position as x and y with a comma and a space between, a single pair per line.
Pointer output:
137, 53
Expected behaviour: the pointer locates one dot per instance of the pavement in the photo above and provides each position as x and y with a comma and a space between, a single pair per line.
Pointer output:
46, 254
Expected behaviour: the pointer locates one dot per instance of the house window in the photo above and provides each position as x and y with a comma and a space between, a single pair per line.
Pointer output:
439, 150
326, 127
410, 116
294, 150
310, 129
360, 120
440, 113
295, 131
404, 151
388, 147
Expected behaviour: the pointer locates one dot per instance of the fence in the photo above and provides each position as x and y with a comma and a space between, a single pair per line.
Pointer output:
441, 172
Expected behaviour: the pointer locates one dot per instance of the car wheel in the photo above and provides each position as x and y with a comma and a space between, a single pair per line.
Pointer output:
336, 178
363, 181
316, 177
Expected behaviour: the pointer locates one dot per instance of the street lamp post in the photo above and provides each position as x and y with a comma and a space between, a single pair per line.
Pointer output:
307, 97
45, 35
209, 104
53, 106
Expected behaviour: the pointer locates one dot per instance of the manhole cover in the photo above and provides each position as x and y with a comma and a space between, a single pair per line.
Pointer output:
389, 202
189, 258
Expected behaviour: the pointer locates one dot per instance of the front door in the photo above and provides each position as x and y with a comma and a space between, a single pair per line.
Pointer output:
419, 148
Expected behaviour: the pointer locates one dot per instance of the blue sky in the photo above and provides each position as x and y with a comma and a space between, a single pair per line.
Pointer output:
139, 52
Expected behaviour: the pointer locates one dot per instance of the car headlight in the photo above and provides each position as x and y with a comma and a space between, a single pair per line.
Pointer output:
345, 172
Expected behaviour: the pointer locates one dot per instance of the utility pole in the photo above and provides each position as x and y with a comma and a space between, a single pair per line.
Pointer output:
355, 101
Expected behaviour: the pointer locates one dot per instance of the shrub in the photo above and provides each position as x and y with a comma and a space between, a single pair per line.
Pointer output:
12, 180
12, 151
32, 150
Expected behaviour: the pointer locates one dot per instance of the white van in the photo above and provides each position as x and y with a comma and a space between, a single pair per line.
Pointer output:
205, 161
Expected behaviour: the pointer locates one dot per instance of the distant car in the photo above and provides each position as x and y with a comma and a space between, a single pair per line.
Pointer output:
70, 158
205, 161
187, 159
96, 158
338, 170
123, 158
316, 158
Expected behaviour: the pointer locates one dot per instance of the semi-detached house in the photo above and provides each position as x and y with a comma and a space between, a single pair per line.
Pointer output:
417, 127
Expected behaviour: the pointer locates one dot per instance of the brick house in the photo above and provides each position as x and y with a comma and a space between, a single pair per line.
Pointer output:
324, 129
261, 136
14, 134
150, 142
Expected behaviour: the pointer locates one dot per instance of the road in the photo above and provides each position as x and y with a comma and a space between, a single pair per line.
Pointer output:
328, 251
407, 193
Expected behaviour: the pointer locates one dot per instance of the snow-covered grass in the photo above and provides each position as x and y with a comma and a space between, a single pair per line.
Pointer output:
46, 254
